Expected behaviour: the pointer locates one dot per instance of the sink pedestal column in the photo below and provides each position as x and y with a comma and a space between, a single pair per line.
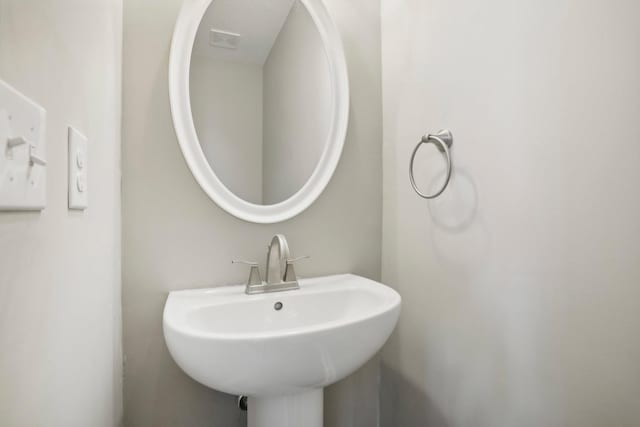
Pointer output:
297, 410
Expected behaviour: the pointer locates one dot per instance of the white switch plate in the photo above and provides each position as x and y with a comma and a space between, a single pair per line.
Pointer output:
23, 169
78, 186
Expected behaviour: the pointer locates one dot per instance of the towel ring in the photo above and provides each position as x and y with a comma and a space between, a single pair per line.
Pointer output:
443, 140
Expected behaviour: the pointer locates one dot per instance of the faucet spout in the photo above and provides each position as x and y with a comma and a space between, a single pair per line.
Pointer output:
277, 259
280, 273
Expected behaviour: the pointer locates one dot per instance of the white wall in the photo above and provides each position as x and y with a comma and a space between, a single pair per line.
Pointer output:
226, 100
60, 329
297, 106
520, 285
175, 237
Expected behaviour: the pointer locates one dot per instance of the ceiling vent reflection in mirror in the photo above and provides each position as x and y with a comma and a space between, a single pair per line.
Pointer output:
223, 39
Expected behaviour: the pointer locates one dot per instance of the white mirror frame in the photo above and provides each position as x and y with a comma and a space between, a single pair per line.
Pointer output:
184, 36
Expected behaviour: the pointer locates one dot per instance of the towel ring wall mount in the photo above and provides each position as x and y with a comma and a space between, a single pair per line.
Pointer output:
443, 141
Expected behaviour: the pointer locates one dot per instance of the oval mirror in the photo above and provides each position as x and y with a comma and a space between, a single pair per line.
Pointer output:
260, 98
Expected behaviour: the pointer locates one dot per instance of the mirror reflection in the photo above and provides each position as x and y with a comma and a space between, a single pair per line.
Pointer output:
260, 96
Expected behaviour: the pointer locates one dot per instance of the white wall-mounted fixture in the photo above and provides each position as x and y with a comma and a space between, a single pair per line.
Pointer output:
23, 168
182, 46
78, 186
280, 349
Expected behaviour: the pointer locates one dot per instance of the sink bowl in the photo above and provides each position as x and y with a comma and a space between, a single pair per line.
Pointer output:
287, 344
240, 344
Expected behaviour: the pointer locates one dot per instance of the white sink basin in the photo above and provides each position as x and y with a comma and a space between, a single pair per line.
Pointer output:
240, 344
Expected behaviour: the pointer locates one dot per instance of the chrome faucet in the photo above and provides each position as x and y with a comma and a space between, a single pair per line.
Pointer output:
281, 275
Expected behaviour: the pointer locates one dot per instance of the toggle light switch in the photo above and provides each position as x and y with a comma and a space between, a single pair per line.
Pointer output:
80, 160
81, 184
23, 166
34, 159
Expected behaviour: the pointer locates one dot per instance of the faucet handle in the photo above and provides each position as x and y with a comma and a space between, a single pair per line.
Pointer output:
290, 272
240, 261
254, 274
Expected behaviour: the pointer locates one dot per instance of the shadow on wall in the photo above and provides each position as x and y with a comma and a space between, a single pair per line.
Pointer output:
459, 237
197, 405
403, 404
456, 209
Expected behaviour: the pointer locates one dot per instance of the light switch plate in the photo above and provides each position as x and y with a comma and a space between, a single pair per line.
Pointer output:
23, 165
78, 183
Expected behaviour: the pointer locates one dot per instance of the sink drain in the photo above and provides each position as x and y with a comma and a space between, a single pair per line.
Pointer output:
277, 306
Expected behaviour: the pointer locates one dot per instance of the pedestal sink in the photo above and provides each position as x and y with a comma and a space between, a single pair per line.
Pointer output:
280, 349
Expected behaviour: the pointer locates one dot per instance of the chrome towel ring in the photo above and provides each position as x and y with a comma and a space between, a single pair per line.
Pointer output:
443, 140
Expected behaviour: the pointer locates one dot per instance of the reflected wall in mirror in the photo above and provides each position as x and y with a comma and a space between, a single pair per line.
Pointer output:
261, 96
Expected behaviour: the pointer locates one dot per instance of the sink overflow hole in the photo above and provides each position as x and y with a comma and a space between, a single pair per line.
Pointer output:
278, 306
